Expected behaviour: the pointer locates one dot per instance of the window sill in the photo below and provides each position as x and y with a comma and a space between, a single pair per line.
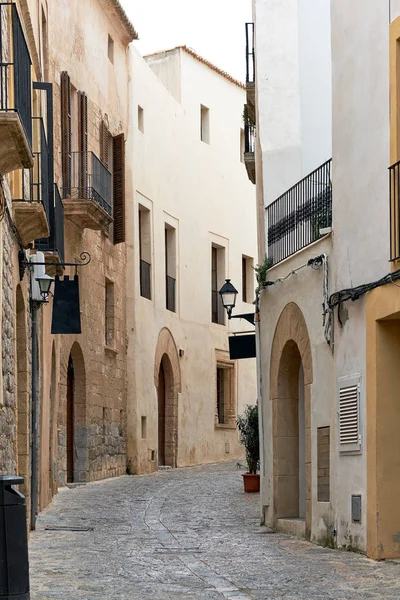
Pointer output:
225, 426
110, 350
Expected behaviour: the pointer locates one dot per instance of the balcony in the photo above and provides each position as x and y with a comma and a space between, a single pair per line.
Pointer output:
250, 148
145, 279
171, 293
53, 246
250, 71
301, 216
32, 194
87, 196
15, 93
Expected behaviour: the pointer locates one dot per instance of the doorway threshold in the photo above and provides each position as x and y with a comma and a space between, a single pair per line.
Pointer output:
293, 526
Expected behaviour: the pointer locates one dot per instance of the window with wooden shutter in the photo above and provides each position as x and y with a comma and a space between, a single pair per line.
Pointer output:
66, 133
119, 188
104, 144
83, 144
349, 415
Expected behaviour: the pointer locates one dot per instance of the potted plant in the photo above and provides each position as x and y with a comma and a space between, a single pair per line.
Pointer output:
249, 437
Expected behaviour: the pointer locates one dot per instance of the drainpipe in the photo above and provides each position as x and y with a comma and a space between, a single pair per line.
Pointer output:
259, 395
35, 388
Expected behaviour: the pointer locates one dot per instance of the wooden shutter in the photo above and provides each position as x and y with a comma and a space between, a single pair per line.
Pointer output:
83, 144
104, 144
66, 134
119, 188
349, 415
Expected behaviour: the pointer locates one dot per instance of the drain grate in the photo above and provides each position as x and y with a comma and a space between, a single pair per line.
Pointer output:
68, 528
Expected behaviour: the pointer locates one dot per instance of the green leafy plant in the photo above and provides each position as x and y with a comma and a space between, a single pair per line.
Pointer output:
261, 272
249, 436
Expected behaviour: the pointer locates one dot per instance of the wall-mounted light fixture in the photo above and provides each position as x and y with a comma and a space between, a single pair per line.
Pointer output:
228, 294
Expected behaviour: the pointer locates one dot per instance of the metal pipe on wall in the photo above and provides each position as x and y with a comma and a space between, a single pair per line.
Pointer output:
35, 389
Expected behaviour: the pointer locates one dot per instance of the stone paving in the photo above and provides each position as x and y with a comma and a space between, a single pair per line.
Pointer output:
186, 534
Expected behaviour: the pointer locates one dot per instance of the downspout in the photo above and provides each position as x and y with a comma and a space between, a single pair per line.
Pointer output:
35, 388
260, 398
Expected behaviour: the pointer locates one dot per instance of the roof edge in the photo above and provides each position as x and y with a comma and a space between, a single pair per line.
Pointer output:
118, 11
203, 60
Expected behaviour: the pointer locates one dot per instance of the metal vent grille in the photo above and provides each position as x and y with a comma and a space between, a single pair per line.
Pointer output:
349, 417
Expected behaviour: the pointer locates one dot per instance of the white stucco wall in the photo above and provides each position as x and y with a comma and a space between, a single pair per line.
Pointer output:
306, 290
360, 206
294, 89
204, 189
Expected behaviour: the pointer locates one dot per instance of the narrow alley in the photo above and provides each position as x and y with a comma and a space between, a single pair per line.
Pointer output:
187, 533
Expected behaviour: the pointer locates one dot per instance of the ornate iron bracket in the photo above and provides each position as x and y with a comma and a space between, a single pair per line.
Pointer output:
248, 317
24, 264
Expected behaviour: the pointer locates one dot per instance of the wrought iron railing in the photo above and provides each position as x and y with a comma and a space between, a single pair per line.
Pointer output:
35, 182
217, 308
296, 218
250, 54
394, 183
55, 242
15, 67
145, 279
90, 180
249, 138
171, 293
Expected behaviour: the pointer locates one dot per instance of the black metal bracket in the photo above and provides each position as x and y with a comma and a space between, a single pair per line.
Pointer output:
250, 317
24, 264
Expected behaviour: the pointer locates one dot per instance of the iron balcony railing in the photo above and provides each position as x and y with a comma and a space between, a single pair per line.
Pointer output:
55, 242
296, 218
250, 54
394, 183
35, 182
90, 180
171, 293
15, 67
145, 279
249, 138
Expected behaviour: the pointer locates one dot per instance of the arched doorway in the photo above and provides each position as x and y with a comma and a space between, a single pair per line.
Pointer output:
76, 434
167, 415
290, 381
23, 415
167, 379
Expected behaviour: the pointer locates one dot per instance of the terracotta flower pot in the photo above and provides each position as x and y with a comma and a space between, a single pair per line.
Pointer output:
251, 483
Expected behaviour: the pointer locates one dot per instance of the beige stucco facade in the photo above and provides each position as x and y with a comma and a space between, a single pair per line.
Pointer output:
199, 191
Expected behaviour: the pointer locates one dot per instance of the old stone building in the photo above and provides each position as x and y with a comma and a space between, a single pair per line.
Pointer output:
63, 126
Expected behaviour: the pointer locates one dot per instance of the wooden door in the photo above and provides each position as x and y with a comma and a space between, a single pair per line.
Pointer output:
161, 417
70, 421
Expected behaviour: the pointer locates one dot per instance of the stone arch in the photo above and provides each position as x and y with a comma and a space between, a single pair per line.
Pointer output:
22, 396
167, 379
291, 377
73, 420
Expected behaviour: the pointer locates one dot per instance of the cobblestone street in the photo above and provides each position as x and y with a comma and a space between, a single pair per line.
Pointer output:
182, 534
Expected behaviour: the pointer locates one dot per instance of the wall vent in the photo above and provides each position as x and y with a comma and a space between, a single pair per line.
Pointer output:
349, 415
356, 509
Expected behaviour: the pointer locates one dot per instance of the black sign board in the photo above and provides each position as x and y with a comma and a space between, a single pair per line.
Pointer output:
242, 346
66, 308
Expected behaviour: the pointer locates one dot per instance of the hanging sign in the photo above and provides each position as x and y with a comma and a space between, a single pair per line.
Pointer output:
242, 346
66, 309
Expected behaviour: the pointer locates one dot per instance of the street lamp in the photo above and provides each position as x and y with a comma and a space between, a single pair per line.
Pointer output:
45, 282
228, 295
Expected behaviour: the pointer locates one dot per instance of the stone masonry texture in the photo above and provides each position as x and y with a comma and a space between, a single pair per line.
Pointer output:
186, 534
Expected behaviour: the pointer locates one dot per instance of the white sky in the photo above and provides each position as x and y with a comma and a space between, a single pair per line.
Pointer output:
213, 28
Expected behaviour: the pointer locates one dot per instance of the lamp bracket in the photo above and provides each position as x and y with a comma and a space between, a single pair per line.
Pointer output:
24, 264
247, 316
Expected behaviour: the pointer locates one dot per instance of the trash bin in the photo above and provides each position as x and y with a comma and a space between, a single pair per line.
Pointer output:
14, 564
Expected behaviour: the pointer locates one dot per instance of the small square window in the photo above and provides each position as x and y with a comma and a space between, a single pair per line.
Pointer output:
140, 119
111, 49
